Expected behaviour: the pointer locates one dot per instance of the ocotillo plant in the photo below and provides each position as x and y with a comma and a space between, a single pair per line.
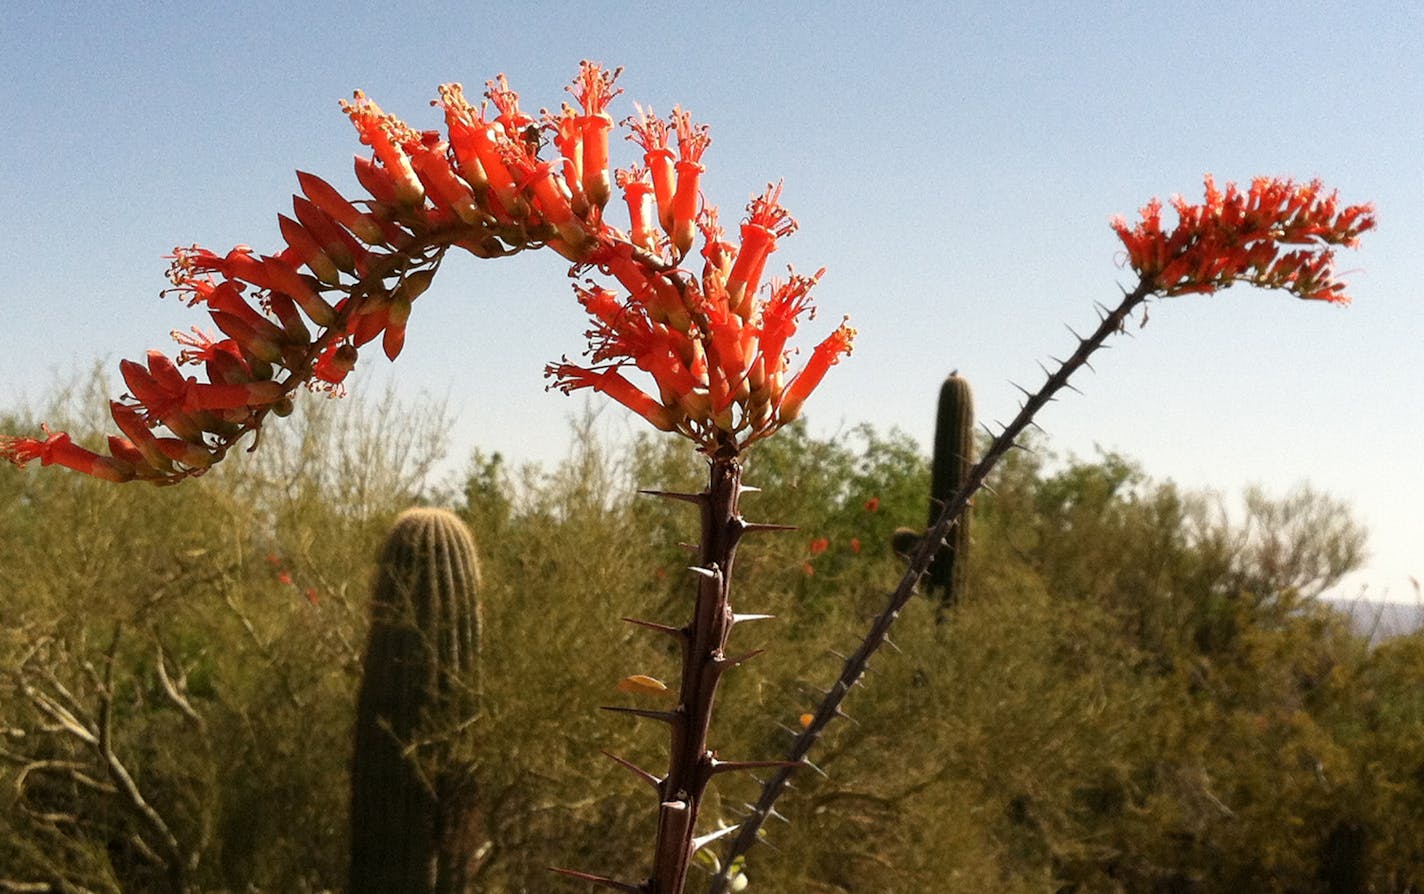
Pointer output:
951, 461
414, 818
349, 272
715, 350
712, 343
1231, 237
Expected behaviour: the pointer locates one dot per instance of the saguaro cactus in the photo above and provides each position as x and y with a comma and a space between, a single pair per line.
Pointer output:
953, 458
415, 828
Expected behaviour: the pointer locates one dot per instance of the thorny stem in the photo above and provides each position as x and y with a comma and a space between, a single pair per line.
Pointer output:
703, 639
855, 665
704, 660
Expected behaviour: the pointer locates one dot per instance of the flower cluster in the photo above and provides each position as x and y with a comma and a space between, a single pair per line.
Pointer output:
1241, 237
714, 345
350, 270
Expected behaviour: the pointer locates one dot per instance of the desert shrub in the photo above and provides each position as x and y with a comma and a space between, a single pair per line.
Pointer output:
1141, 694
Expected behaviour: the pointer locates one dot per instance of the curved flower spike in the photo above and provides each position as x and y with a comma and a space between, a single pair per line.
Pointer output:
348, 269
1240, 237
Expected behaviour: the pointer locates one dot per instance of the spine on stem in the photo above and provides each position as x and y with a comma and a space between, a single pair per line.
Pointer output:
691, 764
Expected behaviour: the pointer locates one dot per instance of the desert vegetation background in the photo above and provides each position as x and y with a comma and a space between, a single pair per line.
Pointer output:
1140, 692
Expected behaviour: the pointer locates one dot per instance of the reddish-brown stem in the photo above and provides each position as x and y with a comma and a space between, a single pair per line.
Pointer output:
855, 665
704, 641
691, 765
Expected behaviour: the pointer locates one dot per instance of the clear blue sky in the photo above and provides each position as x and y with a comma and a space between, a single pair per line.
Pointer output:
954, 165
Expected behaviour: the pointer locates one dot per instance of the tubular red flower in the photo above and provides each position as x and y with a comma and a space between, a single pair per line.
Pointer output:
567, 130
692, 141
334, 364
638, 193
308, 250
326, 197
462, 122
717, 253
766, 222
571, 378
442, 185
593, 88
788, 302
651, 132
388, 137
58, 449
827, 354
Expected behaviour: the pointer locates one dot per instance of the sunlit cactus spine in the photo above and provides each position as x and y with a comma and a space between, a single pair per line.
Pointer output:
415, 823
953, 458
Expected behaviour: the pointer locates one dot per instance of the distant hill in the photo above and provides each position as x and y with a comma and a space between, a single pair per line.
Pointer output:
1382, 620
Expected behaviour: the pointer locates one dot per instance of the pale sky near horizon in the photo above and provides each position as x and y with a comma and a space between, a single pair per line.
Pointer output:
953, 165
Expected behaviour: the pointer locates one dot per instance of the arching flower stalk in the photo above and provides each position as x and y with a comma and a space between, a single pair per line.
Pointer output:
710, 345
349, 269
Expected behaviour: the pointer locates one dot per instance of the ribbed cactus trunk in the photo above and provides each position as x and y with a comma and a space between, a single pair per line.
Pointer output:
415, 826
953, 458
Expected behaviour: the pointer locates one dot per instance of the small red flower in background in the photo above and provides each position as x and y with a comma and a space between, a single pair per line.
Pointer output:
1241, 237
819, 545
855, 545
285, 578
872, 504
807, 569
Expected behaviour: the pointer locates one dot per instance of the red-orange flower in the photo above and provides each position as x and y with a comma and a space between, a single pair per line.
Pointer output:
819, 545
1242, 237
56, 447
720, 370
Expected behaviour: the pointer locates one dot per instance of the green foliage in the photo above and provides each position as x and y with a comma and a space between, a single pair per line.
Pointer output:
1142, 696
